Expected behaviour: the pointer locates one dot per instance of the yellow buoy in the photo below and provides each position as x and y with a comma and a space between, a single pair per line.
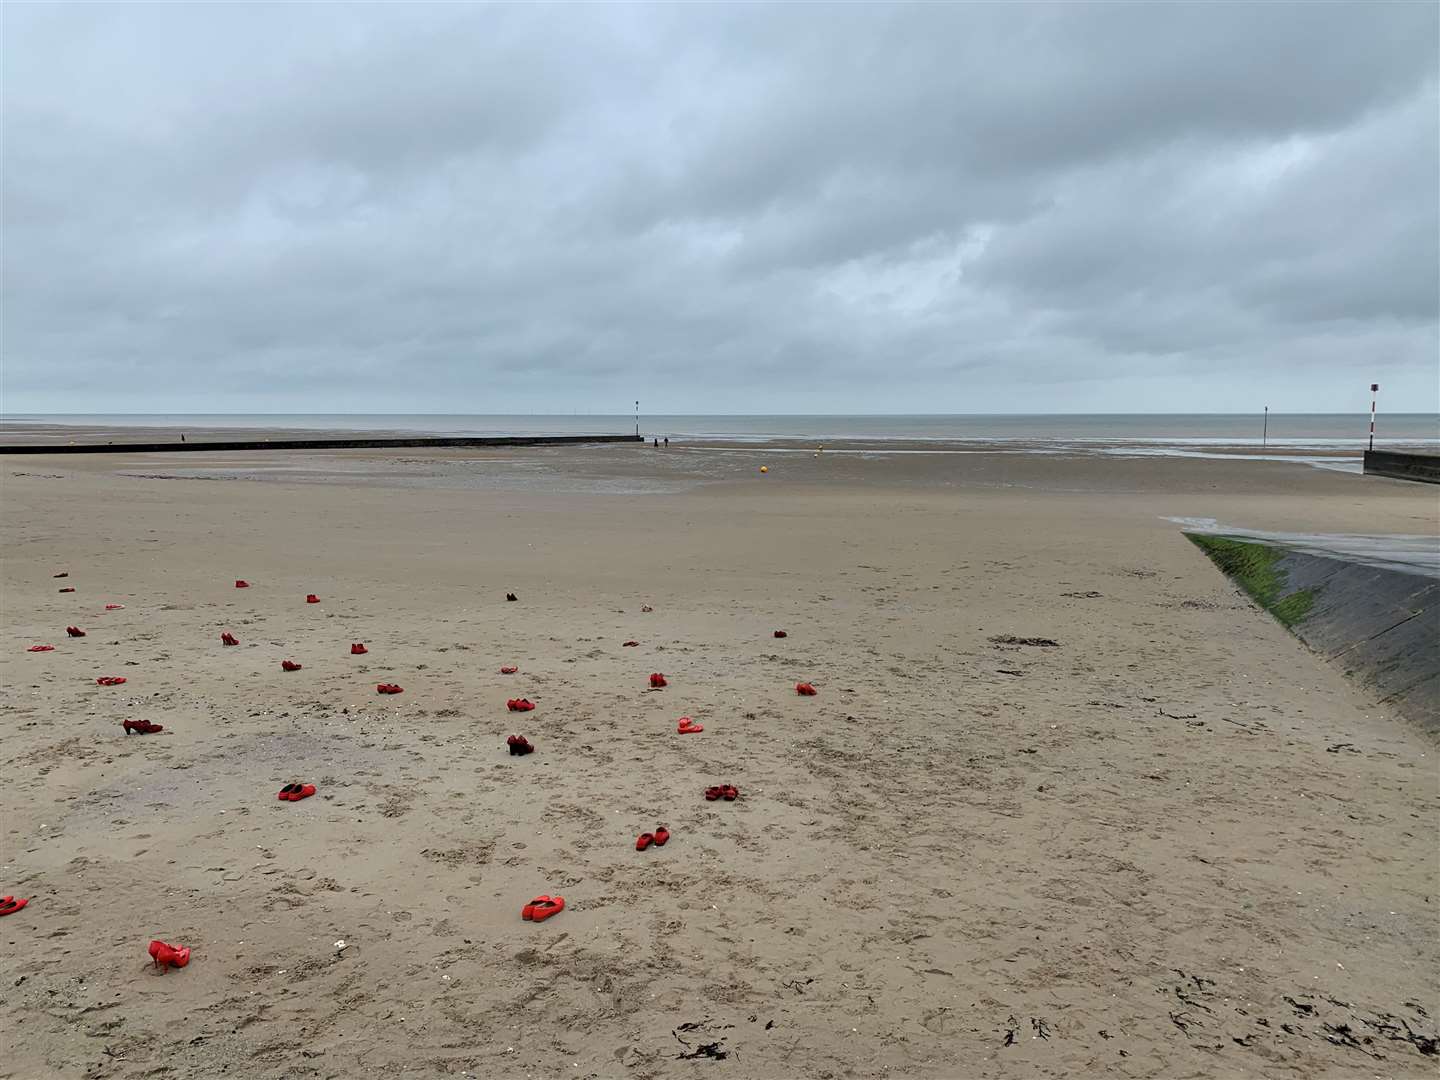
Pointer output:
764, 468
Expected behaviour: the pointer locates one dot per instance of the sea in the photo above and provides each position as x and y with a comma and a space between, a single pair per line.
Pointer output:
1307, 431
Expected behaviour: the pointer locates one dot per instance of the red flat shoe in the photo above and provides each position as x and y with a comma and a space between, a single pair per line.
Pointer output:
74, 631
144, 727
657, 680
241, 583
662, 834
730, 792
713, 793
389, 688
686, 726
509, 669
629, 644
520, 704
542, 907
781, 633
644, 840
804, 689
358, 649
285, 792
311, 598
290, 665
168, 956
303, 791
69, 589
114, 607
9, 905
111, 680
228, 638
41, 648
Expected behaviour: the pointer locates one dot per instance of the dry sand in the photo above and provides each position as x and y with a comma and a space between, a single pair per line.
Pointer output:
1175, 845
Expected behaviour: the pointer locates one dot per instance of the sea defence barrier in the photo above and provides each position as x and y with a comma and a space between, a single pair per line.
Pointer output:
377, 443
1382, 627
1403, 465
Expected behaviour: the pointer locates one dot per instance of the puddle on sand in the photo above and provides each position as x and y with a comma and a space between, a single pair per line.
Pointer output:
1405, 552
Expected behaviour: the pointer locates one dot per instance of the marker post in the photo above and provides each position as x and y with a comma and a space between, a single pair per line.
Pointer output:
1374, 390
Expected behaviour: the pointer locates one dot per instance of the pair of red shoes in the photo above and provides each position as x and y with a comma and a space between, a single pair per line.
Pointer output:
74, 631
295, 792
41, 648
728, 792
388, 688
289, 665
358, 649
519, 704
311, 598
144, 727
241, 583
519, 744
804, 689
110, 680
689, 727
657, 681
658, 838
228, 638
168, 956
542, 907
9, 905
509, 669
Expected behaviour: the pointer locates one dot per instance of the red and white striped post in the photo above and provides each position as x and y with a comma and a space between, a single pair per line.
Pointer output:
1374, 389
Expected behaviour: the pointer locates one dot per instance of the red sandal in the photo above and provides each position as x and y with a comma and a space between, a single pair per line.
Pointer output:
111, 680
519, 704
41, 648
9, 905
168, 956
804, 689
290, 665
228, 638
358, 649
542, 907
657, 681
388, 688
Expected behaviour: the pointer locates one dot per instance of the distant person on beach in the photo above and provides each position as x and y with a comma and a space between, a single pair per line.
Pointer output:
657, 442
667, 442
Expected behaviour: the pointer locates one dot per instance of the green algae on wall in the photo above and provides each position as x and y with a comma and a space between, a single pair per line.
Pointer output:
1255, 568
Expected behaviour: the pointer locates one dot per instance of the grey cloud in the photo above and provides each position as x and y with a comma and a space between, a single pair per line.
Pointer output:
789, 208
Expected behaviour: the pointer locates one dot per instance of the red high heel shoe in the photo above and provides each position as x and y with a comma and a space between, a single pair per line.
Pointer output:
657, 681
110, 680
228, 638
358, 649
74, 631
168, 956
144, 727
290, 665
520, 745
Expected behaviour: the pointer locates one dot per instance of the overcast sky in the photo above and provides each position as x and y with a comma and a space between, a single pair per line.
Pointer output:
939, 208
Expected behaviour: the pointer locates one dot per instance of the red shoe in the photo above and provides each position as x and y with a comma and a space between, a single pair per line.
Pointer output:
629, 644
285, 792
144, 727
302, 791
228, 638
114, 607
74, 631
713, 793
388, 688
729, 792
542, 907
657, 681
111, 680
781, 633
662, 834
358, 649
644, 840
519, 744
9, 905
689, 727
509, 669
804, 689
311, 598
241, 583
70, 589
289, 665
519, 704
41, 648
166, 956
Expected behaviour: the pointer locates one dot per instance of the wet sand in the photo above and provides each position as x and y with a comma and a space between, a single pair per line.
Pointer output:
1173, 844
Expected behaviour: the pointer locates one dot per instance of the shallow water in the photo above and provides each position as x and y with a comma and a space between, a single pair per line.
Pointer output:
1410, 554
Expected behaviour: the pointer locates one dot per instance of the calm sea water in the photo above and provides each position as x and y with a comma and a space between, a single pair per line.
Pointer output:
1294, 429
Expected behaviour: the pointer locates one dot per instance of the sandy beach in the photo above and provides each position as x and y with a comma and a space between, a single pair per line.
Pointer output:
1173, 844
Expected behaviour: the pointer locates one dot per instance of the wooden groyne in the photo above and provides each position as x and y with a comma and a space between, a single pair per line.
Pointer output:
380, 443
1403, 465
